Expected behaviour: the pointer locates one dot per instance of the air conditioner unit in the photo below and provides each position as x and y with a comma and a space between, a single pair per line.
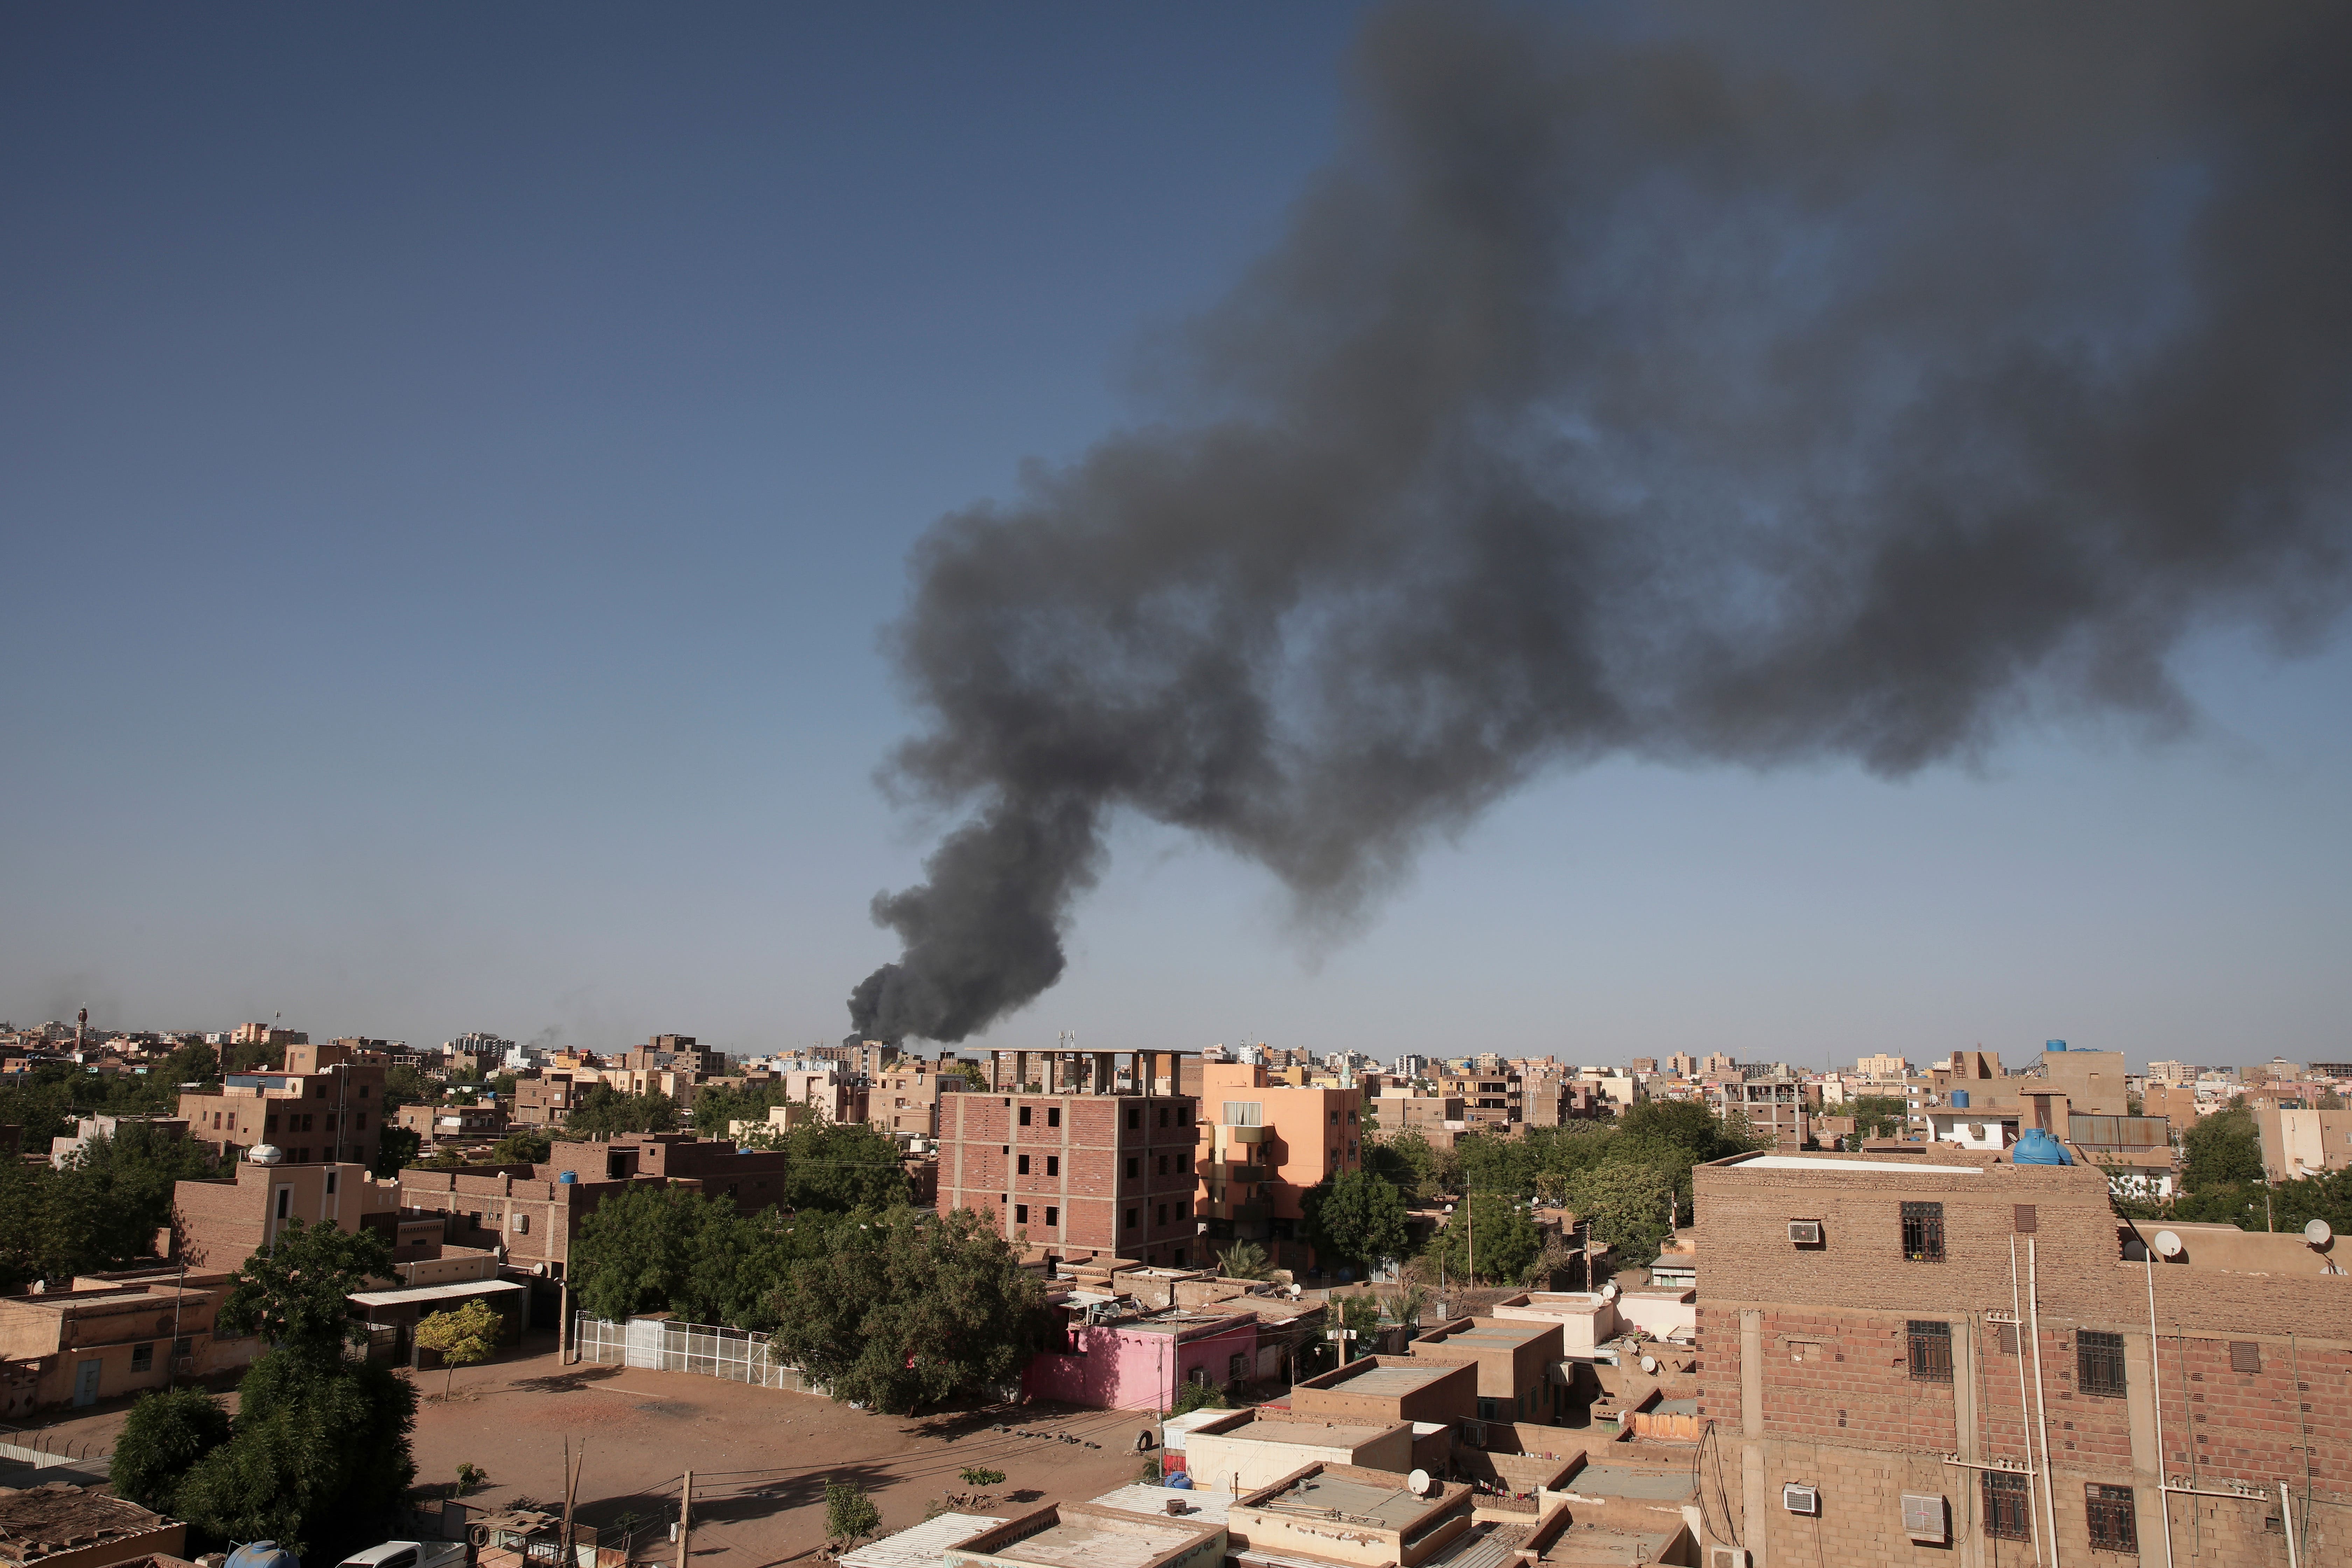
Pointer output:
1805, 1231
1727, 1557
1801, 1499
1926, 1520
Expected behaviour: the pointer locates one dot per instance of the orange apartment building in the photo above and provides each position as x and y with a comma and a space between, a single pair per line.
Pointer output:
1267, 1143
326, 1106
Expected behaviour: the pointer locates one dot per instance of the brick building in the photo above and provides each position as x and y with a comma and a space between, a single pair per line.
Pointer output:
1085, 1169
452, 1123
547, 1100
1493, 1097
219, 1224
1268, 1144
1778, 1109
903, 1098
1949, 1358
325, 1106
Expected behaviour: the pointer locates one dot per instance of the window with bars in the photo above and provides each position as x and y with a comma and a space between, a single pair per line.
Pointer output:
2114, 1526
2099, 1363
1931, 1351
1923, 1233
2008, 1506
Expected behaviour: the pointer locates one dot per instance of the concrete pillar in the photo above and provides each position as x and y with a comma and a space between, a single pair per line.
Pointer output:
1755, 1485
1968, 1421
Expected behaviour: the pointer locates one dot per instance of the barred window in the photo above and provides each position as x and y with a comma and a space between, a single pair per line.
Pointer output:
2099, 1363
2008, 1506
1931, 1351
2114, 1527
1923, 1233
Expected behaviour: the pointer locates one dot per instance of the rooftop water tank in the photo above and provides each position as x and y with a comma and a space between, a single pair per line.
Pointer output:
1960, 1100
2053, 1045
2035, 1147
567, 1176
1179, 1482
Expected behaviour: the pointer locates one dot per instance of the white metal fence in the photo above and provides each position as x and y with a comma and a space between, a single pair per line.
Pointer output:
663, 1345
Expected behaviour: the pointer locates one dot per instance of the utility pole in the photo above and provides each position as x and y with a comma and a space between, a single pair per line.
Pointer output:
685, 1520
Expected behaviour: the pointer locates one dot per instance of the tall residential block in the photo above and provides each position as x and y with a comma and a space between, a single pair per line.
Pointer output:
1097, 1161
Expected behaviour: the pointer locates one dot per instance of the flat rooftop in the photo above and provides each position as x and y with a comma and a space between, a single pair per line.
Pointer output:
1496, 1335
919, 1545
1390, 1382
1088, 1540
1308, 1434
1326, 1496
1818, 1162
1150, 1502
1626, 1481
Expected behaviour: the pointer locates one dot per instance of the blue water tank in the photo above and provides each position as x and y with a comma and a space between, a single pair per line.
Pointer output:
1960, 1100
567, 1176
263, 1554
2053, 1045
2035, 1147
1179, 1482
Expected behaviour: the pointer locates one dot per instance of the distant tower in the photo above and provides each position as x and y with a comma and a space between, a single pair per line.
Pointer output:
82, 1025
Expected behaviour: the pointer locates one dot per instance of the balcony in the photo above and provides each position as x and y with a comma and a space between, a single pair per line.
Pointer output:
1245, 1134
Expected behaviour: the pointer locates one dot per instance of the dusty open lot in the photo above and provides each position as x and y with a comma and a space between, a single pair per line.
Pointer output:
760, 1458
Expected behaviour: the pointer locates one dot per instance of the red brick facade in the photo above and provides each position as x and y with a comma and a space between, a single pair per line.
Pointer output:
1108, 1174
1811, 1373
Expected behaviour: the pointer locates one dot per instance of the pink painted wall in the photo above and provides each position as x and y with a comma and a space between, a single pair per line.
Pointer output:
1124, 1369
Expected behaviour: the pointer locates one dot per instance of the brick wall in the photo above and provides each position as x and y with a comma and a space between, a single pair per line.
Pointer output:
1094, 1161
1806, 1374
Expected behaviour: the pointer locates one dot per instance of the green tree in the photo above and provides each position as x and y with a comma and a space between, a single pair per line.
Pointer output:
1243, 1260
605, 1110
160, 1441
850, 1515
1355, 1217
296, 1293
317, 1457
906, 1310
646, 1250
1496, 1164
1878, 1115
1198, 1395
121, 1189
404, 1085
1359, 1314
463, 1338
718, 1104
193, 1063
503, 1086
2222, 1149
1504, 1239
1626, 1205
397, 1149
837, 1168
1406, 1160
524, 1146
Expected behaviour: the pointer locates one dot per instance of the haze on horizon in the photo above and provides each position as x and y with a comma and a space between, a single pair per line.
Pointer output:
458, 466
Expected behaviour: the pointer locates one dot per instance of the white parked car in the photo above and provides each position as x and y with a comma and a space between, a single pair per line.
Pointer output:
410, 1555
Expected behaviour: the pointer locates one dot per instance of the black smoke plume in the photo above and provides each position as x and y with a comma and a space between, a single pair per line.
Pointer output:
1737, 383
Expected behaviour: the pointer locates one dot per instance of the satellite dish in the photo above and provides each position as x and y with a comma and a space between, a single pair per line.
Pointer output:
1609, 1291
2318, 1233
1650, 1364
265, 1154
2168, 1242
1419, 1482
1297, 1291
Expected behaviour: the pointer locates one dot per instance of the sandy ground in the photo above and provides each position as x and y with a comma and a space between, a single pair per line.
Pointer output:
760, 1458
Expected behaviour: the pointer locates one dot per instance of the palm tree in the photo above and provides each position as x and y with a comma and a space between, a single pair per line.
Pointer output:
1406, 1305
1243, 1260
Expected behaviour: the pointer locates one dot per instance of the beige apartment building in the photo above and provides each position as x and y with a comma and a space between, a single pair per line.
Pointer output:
324, 1107
2298, 1143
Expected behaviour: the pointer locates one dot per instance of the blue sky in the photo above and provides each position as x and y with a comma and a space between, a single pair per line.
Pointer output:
455, 465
